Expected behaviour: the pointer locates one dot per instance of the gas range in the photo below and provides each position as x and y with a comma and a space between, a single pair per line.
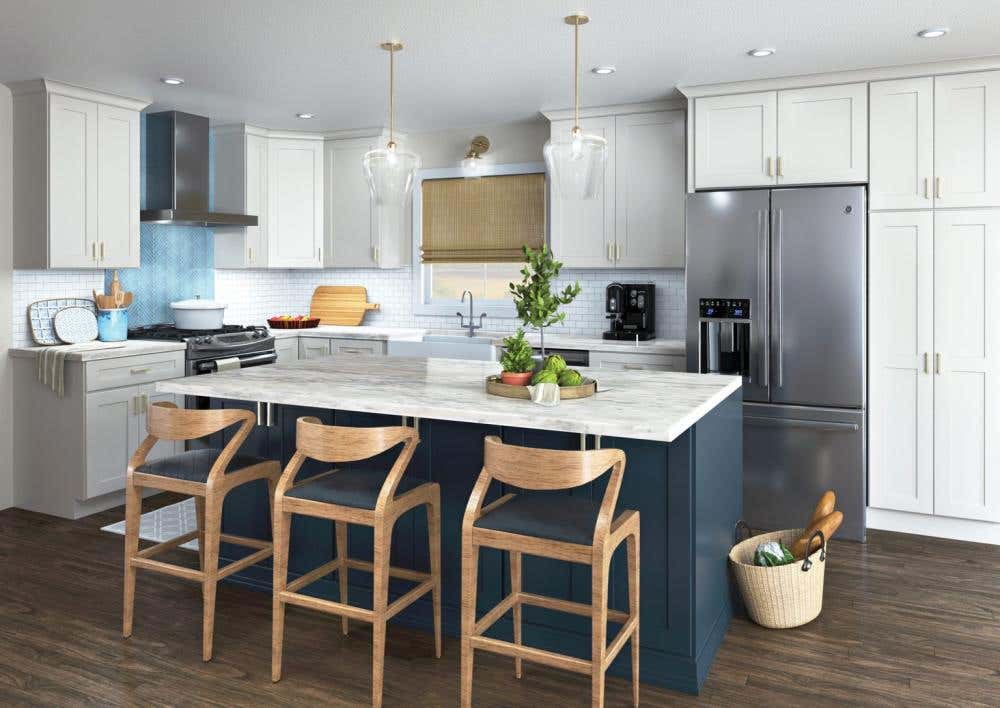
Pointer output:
207, 349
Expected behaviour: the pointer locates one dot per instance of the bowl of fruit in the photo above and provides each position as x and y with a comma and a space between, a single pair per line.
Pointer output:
292, 322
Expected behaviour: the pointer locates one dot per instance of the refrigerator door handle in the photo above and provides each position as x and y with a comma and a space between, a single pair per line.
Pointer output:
779, 300
762, 260
832, 426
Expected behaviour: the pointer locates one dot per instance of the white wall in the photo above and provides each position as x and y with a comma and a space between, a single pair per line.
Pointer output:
515, 142
6, 288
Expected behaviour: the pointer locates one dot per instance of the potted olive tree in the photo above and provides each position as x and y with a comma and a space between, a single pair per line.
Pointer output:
537, 305
517, 361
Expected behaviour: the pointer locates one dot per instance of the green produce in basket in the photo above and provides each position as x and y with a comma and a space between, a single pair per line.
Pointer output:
544, 376
772, 553
555, 363
570, 377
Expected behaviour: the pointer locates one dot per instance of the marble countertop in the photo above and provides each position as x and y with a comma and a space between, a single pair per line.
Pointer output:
113, 350
552, 339
644, 405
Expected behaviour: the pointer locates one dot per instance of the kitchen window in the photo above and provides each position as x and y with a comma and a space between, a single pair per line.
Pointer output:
468, 233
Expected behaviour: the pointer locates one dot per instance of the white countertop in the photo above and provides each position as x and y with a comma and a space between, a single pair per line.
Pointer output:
552, 339
644, 405
114, 350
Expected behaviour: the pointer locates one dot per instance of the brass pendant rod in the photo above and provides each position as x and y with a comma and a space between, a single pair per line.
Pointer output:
576, 77
392, 94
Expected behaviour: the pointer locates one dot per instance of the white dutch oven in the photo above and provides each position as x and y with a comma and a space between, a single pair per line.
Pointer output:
198, 314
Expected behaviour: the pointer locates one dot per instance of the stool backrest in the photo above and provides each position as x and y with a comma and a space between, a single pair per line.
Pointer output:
165, 421
537, 469
337, 443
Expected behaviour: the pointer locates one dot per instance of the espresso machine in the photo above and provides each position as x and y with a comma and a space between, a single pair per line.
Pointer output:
724, 336
631, 307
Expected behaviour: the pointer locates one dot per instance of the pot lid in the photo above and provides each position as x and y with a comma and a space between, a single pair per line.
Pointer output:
198, 305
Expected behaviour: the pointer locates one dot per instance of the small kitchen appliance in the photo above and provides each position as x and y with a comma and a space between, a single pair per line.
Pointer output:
631, 307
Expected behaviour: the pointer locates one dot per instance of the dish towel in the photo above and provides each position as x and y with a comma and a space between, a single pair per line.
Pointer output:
52, 362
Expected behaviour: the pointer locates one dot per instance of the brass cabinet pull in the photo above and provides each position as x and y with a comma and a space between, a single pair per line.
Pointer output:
319, 254
781, 169
93, 250
927, 362
770, 167
618, 251
136, 372
937, 363
927, 187
611, 251
937, 187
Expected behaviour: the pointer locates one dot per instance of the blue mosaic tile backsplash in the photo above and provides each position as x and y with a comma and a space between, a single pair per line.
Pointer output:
176, 262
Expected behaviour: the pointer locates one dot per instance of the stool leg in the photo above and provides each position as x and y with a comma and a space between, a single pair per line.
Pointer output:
599, 630
213, 527
342, 572
133, 514
633, 609
199, 515
434, 541
380, 601
280, 530
470, 580
515, 588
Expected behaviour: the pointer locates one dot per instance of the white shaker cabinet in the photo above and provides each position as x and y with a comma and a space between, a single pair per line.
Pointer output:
76, 177
967, 365
583, 230
967, 140
823, 135
295, 202
900, 373
241, 188
736, 140
351, 233
649, 190
110, 423
901, 131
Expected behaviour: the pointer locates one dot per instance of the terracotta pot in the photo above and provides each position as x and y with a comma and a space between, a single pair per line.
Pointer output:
516, 378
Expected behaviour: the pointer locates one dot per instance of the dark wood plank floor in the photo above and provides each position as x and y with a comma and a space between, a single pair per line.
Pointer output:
907, 620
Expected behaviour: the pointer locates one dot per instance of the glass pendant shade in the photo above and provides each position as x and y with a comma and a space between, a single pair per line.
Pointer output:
576, 165
390, 175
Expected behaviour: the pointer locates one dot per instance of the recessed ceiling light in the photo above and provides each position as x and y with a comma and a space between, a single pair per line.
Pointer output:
762, 52
172, 80
305, 116
603, 70
932, 33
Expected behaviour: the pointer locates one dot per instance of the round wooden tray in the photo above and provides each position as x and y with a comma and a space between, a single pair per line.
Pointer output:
495, 387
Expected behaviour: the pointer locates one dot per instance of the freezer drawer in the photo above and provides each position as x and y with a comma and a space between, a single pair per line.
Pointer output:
792, 454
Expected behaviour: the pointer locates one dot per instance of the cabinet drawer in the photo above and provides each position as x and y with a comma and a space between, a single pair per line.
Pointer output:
287, 349
131, 370
313, 347
621, 361
357, 347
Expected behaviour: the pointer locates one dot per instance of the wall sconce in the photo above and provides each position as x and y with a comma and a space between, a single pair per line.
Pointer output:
474, 157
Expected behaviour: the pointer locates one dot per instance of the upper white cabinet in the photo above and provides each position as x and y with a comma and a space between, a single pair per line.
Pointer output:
799, 136
901, 130
76, 177
935, 363
967, 140
241, 188
637, 218
823, 135
279, 178
736, 140
359, 234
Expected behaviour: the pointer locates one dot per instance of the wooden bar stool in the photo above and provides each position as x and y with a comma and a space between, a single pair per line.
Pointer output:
573, 529
354, 496
206, 474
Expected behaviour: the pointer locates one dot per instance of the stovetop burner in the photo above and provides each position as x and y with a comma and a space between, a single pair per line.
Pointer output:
169, 331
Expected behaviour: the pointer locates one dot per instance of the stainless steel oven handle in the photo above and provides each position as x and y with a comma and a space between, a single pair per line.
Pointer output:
258, 359
832, 426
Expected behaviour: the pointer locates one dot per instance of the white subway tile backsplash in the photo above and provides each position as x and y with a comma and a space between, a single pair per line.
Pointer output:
32, 285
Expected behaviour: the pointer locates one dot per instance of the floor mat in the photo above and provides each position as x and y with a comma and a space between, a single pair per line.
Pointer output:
164, 524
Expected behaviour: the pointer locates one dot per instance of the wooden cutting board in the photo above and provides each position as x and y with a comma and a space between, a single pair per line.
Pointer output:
340, 304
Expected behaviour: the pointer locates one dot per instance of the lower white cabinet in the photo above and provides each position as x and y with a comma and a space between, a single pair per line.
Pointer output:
313, 347
318, 347
287, 349
627, 361
934, 399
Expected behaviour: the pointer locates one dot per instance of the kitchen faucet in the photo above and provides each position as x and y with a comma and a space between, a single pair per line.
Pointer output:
461, 318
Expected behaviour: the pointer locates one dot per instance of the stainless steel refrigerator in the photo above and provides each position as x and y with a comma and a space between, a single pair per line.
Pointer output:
780, 273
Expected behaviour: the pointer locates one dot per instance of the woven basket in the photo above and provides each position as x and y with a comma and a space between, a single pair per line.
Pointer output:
782, 596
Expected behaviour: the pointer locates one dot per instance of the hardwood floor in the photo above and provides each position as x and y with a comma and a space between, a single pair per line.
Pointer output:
907, 620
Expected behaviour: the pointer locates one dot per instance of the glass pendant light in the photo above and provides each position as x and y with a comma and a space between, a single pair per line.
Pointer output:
576, 161
390, 170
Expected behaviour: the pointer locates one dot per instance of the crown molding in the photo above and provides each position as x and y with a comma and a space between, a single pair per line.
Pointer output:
61, 88
619, 110
905, 71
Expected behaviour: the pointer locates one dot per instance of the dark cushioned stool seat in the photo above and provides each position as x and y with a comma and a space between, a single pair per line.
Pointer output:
194, 465
558, 518
358, 488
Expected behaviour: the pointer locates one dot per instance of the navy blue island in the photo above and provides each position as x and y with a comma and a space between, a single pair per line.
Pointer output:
682, 434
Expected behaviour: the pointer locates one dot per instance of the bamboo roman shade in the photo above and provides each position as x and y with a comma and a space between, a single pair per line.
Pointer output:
484, 220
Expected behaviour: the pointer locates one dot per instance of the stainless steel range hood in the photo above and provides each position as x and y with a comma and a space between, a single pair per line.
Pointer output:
177, 173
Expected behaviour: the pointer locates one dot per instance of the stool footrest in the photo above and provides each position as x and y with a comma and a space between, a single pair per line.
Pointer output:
501, 608
167, 568
167, 545
403, 573
575, 608
539, 656
244, 541
242, 563
404, 601
328, 606
314, 575
619, 641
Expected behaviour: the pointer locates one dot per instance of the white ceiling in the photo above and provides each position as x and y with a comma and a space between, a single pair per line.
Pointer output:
466, 62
